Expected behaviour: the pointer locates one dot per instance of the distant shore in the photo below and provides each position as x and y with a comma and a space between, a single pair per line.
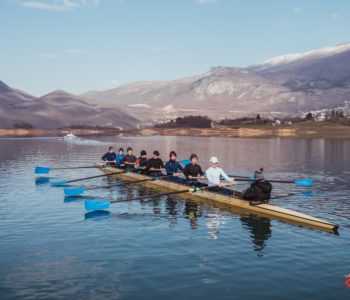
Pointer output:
16, 132
308, 130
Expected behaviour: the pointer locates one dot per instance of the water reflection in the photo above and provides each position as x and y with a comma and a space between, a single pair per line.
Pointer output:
192, 212
260, 229
42, 180
213, 221
97, 215
170, 208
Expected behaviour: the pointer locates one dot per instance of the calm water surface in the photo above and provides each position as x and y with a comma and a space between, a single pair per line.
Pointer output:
171, 247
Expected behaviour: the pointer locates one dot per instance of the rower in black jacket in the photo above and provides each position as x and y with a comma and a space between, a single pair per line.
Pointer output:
193, 172
155, 165
260, 190
142, 161
129, 160
109, 157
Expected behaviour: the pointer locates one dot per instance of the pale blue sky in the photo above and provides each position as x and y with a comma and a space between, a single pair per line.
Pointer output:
79, 45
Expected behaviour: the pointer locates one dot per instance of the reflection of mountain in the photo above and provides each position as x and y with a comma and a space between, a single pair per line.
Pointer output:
260, 228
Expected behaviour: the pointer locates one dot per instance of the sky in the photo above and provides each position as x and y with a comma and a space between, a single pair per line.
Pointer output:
82, 45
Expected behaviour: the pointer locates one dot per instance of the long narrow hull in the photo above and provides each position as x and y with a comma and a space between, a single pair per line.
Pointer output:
238, 205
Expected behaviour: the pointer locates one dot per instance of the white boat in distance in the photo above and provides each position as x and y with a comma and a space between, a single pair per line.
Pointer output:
70, 136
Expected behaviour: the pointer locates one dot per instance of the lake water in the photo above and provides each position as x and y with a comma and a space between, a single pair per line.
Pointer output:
169, 247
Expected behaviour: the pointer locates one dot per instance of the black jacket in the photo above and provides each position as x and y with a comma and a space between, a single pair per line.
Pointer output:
109, 156
130, 159
193, 170
156, 163
258, 191
142, 162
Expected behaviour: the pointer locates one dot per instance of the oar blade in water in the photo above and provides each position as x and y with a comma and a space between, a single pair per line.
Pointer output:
59, 183
304, 182
74, 191
42, 170
96, 204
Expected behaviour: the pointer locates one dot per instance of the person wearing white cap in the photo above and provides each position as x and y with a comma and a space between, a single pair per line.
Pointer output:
214, 174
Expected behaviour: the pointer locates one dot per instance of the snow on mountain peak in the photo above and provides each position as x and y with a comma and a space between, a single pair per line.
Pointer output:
288, 58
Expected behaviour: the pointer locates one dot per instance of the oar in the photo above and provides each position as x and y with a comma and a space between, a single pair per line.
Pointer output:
251, 177
46, 170
64, 182
103, 204
76, 191
298, 182
99, 204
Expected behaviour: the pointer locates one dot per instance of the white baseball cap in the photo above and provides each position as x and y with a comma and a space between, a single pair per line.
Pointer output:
214, 160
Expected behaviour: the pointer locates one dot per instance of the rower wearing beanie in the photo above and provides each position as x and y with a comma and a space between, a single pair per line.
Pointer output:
260, 190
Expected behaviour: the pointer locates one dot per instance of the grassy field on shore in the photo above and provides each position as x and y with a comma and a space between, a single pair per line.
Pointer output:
300, 130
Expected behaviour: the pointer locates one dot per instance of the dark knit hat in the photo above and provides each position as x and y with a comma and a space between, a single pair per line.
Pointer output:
259, 175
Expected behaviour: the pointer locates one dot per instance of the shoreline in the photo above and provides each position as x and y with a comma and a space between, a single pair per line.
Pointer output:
302, 130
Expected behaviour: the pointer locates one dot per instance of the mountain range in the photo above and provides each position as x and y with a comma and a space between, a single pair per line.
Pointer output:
291, 84
55, 110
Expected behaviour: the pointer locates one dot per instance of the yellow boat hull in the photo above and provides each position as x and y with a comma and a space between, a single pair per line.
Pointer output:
238, 205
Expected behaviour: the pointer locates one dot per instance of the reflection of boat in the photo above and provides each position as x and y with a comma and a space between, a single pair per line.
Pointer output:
271, 211
70, 136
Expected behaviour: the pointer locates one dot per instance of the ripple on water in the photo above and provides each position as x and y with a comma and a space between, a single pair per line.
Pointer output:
171, 247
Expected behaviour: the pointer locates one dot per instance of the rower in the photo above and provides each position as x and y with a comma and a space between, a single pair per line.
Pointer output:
142, 160
155, 165
174, 168
119, 156
193, 172
109, 157
129, 160
214, 174
260, 190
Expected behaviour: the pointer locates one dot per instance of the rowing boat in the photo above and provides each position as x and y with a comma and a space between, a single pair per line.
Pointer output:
271, 211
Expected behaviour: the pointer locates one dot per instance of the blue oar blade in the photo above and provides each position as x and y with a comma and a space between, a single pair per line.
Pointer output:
304, 182
185, 162
74, 191
96, 204
59, 183
42, 170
